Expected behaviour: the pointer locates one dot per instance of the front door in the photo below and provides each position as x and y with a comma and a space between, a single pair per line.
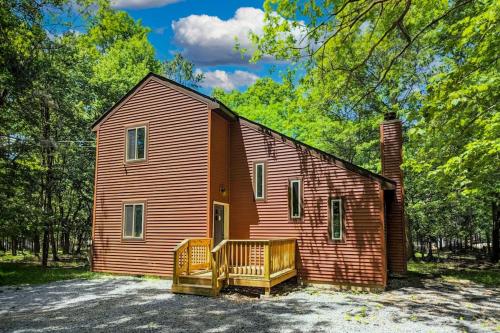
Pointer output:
218, 223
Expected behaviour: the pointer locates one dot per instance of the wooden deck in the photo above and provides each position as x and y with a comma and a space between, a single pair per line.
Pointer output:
201, 270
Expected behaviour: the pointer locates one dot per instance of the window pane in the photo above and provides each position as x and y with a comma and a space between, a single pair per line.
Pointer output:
295, 199
129, 215
138, 221
260, 180
131, 144
141, 142
336, 220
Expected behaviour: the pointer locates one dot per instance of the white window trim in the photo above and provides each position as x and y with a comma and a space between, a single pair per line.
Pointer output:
263, 196
145, 144
298, 181
133, 204
341, 219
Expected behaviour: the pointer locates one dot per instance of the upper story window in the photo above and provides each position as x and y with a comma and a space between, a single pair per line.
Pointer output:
336, 219
133, 220
295, 199
260, 180
136, 143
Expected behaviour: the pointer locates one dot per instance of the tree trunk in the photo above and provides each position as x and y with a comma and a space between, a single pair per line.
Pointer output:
14, 246
47, 152
79, 242
495, 233
45, 246
488, 243
65, 236
53, 244
430, 256
36, 244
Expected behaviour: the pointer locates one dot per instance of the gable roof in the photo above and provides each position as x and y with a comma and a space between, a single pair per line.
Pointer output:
216, 104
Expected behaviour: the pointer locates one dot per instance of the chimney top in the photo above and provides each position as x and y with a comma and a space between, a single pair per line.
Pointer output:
390, 115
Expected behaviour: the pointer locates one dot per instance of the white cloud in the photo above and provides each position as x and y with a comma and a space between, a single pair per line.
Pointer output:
226, 80
208, 40
140, 4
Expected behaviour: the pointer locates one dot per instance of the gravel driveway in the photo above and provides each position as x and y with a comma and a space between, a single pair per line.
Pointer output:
117, 304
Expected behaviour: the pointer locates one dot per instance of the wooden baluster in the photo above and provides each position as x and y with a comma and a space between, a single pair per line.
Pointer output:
242, 256
235, 248
246, 258
261, 259
253, 248
233, 255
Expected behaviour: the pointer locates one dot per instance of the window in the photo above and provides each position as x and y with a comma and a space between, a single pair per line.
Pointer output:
136, 143
336, 219
133, 220
295, 199
260, 180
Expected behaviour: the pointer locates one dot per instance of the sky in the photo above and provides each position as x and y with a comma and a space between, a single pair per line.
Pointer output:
204, 32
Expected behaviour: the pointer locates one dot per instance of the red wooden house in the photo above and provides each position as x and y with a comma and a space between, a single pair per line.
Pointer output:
186, 188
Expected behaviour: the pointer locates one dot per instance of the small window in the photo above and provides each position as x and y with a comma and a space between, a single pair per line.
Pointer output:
295, 199
133, 220
260, 179
136, 143
336, 219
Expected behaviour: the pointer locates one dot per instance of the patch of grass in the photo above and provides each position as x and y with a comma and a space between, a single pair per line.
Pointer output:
456, 272
25, 268
32, 273
20, 257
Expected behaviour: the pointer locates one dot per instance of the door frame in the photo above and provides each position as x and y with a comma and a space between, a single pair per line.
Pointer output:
226, 218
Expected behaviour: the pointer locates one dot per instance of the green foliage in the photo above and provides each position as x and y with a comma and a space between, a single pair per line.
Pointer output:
434, 64
53, 86
182, 71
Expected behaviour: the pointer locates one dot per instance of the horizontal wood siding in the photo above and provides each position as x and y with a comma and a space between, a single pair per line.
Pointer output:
172, 182
219, 162
392, 158
358, 259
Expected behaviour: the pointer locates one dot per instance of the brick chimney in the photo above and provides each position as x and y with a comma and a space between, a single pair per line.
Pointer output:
391, 145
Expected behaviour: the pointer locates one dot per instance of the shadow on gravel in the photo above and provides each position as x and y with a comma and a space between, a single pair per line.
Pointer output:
127, 304
120, 305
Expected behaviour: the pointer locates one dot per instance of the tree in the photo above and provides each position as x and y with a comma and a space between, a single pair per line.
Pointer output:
182, 71
53, 87
434, 64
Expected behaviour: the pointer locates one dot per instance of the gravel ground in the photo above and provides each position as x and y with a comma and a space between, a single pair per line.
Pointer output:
117, 304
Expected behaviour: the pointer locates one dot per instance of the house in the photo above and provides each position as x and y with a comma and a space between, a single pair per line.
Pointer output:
184, 184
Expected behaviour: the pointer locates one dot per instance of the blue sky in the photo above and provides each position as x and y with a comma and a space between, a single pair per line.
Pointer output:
204, 32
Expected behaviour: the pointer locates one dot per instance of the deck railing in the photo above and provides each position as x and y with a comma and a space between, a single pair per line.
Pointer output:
244, 259
191, 255
260, 258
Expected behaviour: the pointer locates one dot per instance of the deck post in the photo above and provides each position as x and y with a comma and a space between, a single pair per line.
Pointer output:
175, 277
209, 253
267, 261
189, 258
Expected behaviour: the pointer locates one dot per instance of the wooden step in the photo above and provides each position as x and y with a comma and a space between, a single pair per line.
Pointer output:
194, 289
193, 279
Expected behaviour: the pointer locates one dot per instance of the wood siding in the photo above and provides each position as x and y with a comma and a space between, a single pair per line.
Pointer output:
391, 152
219, 162
358, 259
173, 182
